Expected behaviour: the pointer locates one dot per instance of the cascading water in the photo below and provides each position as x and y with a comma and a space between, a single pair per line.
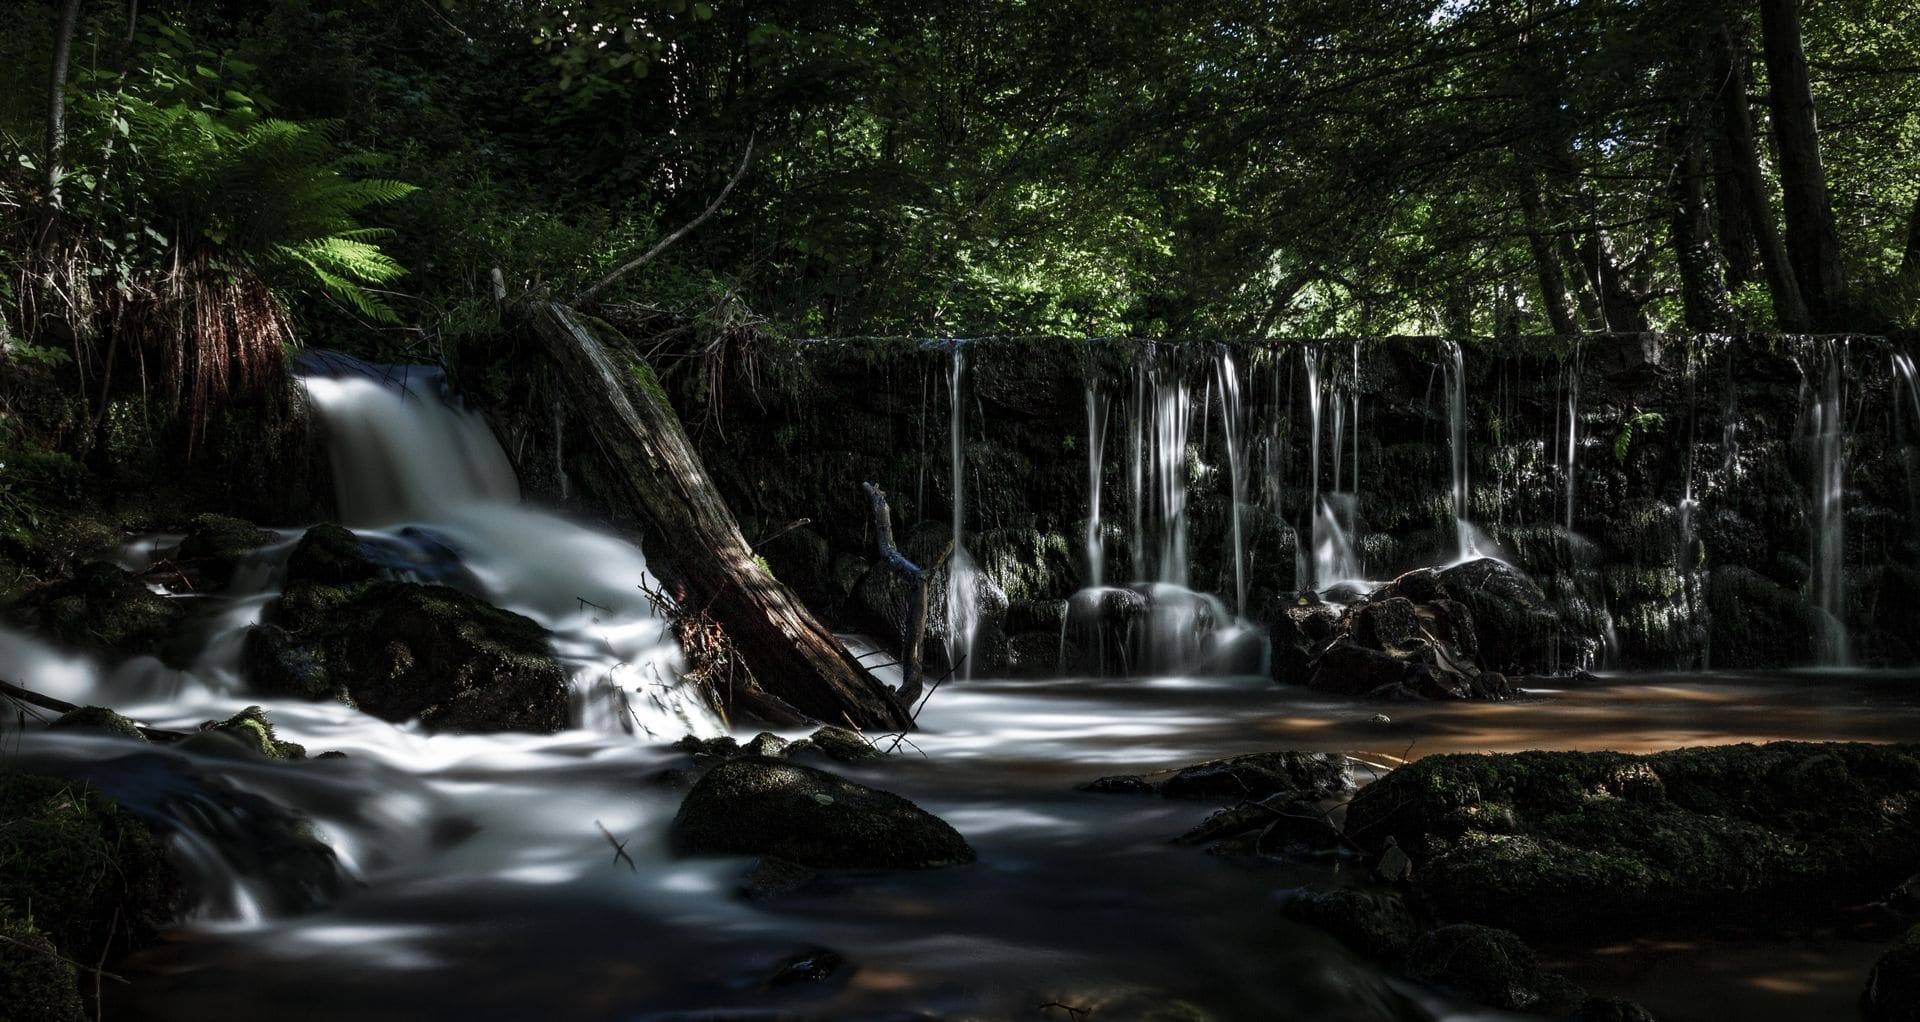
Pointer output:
1573, 369
1096, 463
1233, 429
414, 472
1906, 418
1330, 556
1468, 538
963, 599
1827, 432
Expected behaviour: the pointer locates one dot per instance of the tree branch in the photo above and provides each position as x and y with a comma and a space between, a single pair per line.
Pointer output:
587, 298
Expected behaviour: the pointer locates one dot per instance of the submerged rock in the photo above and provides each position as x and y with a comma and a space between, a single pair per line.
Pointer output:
1607, 843
1375, 924
247, 733
109, 610
1491, 967
766, 807
1301, 775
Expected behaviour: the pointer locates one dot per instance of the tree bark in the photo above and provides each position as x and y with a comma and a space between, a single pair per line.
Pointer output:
914, 636
1910, 259
1553, 281
791, 654
1813, 247
57, 101
1789, 306
1703, 291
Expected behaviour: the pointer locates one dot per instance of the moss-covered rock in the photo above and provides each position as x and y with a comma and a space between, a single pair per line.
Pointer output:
99, 720
1375, 924
402, 651
1755, 622
1546, 842
752, 806
37, 982
1491, 967
88, 874
1308, 776
216, 544
247, 733
109, 610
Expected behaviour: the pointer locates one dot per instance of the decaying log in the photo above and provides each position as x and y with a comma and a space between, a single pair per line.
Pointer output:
914, 634
795, 658
61, 706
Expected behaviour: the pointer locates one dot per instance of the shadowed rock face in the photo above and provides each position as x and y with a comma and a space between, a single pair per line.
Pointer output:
109, 610
767, 807
1308, 776
403, 651
1547, 843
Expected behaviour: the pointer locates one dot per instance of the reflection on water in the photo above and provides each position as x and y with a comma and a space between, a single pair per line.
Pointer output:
486, 889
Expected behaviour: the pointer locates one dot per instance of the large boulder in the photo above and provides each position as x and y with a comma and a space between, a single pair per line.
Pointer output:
1609, 843
400, 650
752, 806
1407, 640
1375, 924
107, 609
1514, 627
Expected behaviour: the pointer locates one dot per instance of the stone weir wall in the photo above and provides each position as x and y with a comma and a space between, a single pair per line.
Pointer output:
1695, 511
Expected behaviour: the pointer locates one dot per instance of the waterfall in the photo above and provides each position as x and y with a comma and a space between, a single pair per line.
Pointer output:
1233, 430
1329, 555
1096, 462
1162, 412
963, 597
1906, 417
1827, 431
1467, 536
1573, 370
416, 473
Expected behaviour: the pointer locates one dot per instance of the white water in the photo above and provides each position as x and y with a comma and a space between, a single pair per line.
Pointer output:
1233, 428
1573, 372
1331, 556
1468, 539
963, 581
1827, 431
1096, 545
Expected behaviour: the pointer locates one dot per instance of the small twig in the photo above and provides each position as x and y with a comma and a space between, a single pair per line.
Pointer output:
619, 848
783, 530
1072, 1012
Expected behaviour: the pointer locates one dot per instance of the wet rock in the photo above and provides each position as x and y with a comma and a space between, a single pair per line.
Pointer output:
772, 877
1120, 784
1043, 616
843, 745
1608, 843
767, 745
808, 816
1033, 655
882, 598
1309, 775
1227, 823
108, 610
1755, 622
247, 733
330, 555
98, 720
1375, 924
216, 544
815, 965
1893, 987
37, 982
709, 750
403, 651
1300, 831
1514, 627
1491, 967
90, 875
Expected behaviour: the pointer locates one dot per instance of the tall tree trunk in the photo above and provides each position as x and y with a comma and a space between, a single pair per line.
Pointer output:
57, 101
1732, 222
1910, 259
790, 653
1617, 298
1703, 291
1789, 306
1812, 245
1584, 288
1553, 281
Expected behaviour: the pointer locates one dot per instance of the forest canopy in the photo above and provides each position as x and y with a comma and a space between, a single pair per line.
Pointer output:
348, 172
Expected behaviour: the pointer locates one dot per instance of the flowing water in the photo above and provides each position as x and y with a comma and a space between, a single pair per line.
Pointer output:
963, 597
480, 874
1827, 525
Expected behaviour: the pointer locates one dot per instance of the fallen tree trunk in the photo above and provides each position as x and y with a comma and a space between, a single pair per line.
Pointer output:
792, 655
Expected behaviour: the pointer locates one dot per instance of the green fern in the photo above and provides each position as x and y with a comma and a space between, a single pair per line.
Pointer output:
1641, 423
